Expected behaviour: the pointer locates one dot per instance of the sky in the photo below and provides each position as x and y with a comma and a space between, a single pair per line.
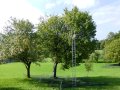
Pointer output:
105, 13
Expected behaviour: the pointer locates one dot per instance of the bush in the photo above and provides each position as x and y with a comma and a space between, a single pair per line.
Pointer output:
88, 66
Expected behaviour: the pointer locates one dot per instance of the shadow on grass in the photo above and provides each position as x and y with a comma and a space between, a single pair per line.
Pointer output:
112, 65
115, 65
85, 83
9, 88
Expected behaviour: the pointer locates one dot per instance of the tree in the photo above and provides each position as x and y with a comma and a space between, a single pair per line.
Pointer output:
2, 39
96, 55
102, 44
112, 50
110, 35
84, 27
88, 66
111, 47
21, 42
51, 32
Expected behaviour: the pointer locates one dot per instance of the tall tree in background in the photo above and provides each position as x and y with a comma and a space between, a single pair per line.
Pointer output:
112, 36
112, 50
102, 44
21, 42
112, 47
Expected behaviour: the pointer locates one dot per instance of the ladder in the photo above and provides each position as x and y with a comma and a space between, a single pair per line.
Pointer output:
74, 60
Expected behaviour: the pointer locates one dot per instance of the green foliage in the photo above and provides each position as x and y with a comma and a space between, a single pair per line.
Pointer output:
1, 47
102, 44
21, 42
20, 38
112, 47
111, 36
51, 34
112, 50
96, 55
84, 27
88, 65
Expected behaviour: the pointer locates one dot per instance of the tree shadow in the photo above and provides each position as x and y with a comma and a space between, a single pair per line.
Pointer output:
118, 65
86, 83
10, 88
115, 65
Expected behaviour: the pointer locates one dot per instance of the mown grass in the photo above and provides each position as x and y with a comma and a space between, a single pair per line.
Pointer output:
102, 77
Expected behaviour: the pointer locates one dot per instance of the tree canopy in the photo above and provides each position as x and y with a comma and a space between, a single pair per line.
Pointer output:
21, 42
112, 47
84, 27
57, 32
51, 34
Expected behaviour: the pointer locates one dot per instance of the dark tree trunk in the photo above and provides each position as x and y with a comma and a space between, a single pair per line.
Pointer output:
28, 69
55, 69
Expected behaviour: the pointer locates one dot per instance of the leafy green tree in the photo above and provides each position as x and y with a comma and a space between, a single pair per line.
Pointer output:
84, 27
2, 38
88, 66
96, 55
4, 50
112, 36
21, 42
112, 50
102, 44
92, 57
51, 34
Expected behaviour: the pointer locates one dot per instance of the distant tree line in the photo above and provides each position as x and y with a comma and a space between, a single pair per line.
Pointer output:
112, 47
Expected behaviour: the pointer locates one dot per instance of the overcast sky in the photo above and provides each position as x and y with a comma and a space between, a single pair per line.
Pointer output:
106, 13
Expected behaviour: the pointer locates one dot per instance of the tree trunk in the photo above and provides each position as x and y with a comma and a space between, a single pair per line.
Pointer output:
28, 69
55, 69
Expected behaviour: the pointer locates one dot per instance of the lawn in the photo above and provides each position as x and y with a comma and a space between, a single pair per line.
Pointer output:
102, 77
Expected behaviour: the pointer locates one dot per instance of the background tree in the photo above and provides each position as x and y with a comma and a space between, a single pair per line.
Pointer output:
112, 36
93, 57
88, 66
21, 42
112, 50
102, 44
97, 55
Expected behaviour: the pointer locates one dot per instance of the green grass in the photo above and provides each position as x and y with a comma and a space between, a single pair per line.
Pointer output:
102, 77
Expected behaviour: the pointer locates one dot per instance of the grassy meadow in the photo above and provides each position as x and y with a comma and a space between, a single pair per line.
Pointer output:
104, 76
